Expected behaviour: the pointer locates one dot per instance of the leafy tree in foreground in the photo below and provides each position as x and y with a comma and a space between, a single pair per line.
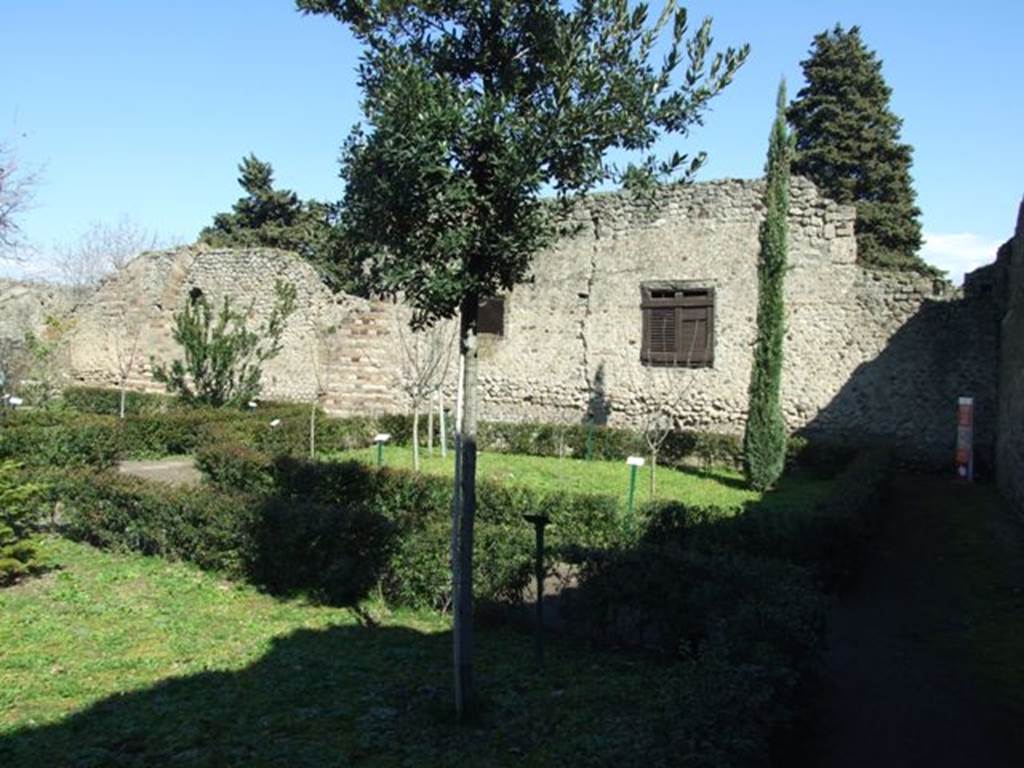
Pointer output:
764, 441
472, 108
276, 218
223, 356
848, 143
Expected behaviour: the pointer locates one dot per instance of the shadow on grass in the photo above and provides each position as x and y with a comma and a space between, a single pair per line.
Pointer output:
363, 695
717, 475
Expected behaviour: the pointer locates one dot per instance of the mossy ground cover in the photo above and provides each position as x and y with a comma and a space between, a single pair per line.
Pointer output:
716, 487
122, 660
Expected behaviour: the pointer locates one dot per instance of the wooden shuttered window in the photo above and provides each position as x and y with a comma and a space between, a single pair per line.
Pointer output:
492, 316
678, 325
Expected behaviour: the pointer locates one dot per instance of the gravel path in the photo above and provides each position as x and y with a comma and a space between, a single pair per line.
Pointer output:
177, 471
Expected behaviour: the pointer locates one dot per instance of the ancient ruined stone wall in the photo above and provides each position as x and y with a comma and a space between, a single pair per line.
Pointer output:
25, 306
1010, 445
869, 355
345, 338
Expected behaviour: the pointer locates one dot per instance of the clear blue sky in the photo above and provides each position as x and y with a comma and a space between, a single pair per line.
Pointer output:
144, 109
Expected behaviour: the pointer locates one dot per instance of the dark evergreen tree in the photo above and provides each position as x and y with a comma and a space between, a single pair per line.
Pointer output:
473, 109
18, 512
764, 441
278, 218
848, 143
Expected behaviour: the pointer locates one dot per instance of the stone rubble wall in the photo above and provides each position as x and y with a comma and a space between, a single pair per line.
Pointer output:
26, 306
869, 355
338, 343
1010, 444
572, 344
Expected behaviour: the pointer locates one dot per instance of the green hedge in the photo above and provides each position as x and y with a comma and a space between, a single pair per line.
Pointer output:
420, 506
830, 538
40, 440
103, 401
158, 425
212, 529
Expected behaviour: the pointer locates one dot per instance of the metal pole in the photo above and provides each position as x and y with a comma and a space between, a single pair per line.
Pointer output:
380, 454
539, 521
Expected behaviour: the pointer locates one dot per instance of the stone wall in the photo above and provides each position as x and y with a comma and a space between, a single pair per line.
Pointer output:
343, 341
869, 355
1010, 445
25, 306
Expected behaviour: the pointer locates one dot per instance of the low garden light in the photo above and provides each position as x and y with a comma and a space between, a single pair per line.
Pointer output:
251, 404
275, 423
634, 462
539, 521
380, 439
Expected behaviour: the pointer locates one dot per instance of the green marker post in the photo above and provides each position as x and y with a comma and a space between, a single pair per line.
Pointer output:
380, 439
634, 462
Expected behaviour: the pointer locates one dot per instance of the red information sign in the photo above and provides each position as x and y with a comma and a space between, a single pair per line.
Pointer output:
965, 438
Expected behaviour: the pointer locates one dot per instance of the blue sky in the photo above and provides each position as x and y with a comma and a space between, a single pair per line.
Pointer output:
144, 109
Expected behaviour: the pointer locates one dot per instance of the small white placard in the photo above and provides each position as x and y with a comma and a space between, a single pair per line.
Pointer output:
275, 423
635, 461
383, 437
251, 403
15, 401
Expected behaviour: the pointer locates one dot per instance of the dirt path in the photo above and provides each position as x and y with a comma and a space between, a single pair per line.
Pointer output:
914, 675
176, 471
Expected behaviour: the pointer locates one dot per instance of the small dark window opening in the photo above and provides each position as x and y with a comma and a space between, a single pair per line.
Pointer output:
492, 316
678, 325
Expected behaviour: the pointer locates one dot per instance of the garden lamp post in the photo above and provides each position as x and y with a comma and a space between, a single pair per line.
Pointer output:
634, 462
380, 439
539, 521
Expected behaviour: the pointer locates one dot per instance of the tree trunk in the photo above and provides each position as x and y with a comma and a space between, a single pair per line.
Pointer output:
440, 423
416, 435
312, 429
654, 469
465, 512
430, 429
124, 396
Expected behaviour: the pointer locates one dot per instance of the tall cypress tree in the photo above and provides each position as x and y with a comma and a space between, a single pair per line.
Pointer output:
848, 143
764, 441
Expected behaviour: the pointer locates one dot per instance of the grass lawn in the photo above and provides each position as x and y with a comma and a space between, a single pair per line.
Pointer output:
124, 660
715, 487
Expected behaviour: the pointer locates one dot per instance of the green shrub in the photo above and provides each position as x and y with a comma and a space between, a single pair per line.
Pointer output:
830, 537
210, 528
107, 402
83, 440
17, 521
334, 554
238, 467
744, 634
